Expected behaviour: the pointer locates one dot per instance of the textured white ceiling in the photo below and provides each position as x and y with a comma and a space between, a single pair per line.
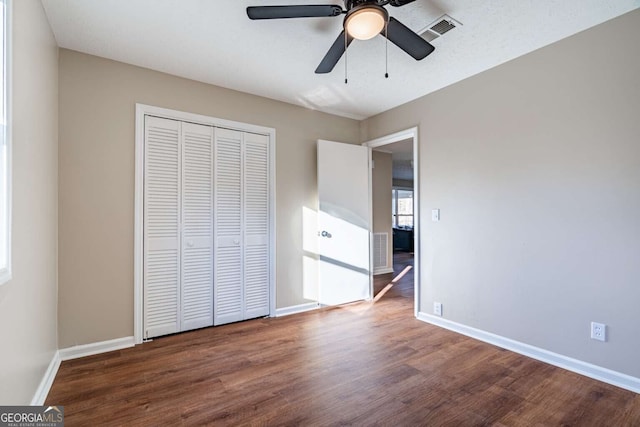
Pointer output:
213, 41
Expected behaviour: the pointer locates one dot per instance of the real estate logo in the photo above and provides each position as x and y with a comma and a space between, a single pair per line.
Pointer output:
31, 416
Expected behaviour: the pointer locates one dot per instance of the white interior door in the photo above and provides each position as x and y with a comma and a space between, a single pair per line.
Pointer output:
204, 201
197, 226
344, 223
228, 296
241, 285
162, 227
256, 225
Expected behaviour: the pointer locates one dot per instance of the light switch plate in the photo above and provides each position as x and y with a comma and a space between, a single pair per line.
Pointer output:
437, 308
435, 215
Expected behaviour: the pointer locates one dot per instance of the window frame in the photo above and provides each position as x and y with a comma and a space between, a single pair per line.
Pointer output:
394, 212
5, 270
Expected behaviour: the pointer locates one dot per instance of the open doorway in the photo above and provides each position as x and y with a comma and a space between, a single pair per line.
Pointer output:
395, 215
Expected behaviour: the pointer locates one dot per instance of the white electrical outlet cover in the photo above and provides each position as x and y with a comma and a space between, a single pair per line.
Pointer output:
598, 331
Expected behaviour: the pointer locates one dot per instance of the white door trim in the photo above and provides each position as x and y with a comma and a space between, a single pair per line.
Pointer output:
141, 111
411, 133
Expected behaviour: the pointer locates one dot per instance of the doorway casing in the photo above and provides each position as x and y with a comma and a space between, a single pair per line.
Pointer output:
412, 134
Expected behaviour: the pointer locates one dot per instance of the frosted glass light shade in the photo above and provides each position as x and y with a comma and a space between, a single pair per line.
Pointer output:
366, 23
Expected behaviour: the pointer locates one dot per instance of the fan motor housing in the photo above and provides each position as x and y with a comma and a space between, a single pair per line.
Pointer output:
371, 5
398, 3
349, 4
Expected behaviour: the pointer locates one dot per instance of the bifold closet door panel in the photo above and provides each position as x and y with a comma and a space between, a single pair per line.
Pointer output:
162, 227
197, 226
256, 225
228, 263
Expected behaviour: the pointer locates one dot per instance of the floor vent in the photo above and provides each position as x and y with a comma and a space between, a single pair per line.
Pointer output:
437, 28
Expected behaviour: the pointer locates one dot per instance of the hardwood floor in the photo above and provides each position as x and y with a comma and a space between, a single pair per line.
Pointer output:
404, 286
363, 364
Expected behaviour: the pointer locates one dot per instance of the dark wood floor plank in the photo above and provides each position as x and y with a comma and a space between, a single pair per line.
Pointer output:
360, 364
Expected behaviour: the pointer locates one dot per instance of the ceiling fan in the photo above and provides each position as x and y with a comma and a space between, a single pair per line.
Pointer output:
364, 19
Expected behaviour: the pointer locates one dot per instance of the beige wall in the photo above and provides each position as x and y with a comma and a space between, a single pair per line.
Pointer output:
535, 166
381, 178
28, 328
97, 111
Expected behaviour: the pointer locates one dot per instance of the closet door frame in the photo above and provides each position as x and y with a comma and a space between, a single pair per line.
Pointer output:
143, 110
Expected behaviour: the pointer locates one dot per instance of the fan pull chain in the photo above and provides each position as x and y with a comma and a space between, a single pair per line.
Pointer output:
345, 57
386, 50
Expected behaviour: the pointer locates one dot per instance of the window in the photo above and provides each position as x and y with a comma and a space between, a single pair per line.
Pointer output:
5, 146
402, 208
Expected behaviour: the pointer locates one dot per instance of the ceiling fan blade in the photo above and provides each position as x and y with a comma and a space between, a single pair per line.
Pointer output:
334, 54
398, 3
407, 40
308, 11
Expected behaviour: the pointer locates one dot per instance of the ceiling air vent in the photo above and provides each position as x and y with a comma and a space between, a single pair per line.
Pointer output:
438, 27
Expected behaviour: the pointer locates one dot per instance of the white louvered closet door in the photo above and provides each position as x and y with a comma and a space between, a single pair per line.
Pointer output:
206, 226
197, 226
162, 227
228, 263
256, 225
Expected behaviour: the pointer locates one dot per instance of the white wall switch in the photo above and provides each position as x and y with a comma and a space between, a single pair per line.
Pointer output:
437, 308
435, 215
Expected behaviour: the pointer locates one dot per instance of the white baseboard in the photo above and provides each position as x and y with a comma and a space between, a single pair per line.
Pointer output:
47, 381
578, 366
383, 271
96, 348
73, 353
301, 308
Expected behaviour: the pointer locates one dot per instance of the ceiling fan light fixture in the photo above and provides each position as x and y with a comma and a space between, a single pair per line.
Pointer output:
366, 22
